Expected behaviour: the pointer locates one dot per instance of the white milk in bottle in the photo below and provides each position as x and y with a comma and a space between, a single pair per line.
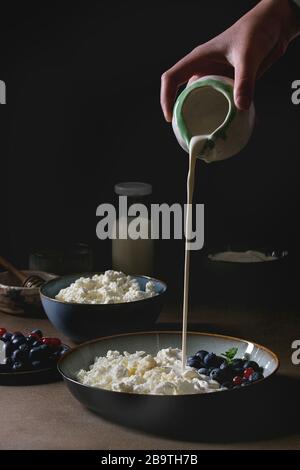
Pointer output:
133, 256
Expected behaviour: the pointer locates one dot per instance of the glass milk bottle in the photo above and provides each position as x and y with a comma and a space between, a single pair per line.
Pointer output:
133, 256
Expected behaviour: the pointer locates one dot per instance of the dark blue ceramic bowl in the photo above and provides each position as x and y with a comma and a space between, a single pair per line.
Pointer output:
82, 322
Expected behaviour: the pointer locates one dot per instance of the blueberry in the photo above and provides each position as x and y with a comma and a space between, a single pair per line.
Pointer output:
224, 366
30, 339
228, 371
41, 354
37, 365
46, 350
255, 376
9, 348
62, 350
210, 360
18, 356
6, 337
201, 354
194, 361
203, 371
25, 348
220, 360
227, 385
36, 344
16, 335
35, 354
238, 363
251, 364
238, 371
217, 374
18, 341
37, 332
18, 366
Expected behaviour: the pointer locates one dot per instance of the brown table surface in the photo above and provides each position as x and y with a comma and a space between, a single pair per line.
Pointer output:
48, 417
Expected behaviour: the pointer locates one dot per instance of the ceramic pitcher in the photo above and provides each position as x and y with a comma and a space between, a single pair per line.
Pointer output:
206, 108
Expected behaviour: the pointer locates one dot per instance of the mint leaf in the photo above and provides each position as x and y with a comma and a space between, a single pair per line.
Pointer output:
230, 354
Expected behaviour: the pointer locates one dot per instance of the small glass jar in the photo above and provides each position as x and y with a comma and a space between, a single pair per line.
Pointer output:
133, 256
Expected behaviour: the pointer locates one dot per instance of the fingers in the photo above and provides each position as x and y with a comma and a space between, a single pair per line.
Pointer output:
244, 81
196, 62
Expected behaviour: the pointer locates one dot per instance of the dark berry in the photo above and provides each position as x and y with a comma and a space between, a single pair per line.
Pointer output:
238, 371
2, 331
238, 363
219, 361
194, 361
217, 374
227, 385
35, 354
63, 349
37, 333
248, 372
201, 354
251, 364
237, 380
255, 376
24, 347
9, 348
18, 366
46, 350
37, 365
33, 337
6, 337
36, 344
203, 371
18, 356
18, 341
17, 334
210, 360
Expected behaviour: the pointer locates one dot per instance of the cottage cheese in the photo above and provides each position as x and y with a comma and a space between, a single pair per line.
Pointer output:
146, 374
112, 287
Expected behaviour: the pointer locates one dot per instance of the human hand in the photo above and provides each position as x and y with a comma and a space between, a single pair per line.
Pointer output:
245, 50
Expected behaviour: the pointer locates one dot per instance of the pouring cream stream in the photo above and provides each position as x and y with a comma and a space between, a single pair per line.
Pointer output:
197, 143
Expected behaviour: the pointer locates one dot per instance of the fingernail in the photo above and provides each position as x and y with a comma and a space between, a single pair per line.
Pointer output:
243, 102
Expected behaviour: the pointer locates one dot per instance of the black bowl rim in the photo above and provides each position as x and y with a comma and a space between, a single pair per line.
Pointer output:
196, 333
77, 304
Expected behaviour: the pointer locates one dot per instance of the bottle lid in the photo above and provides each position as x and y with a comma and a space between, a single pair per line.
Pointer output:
133, 188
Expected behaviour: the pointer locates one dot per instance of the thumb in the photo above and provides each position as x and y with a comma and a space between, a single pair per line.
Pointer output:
244, 84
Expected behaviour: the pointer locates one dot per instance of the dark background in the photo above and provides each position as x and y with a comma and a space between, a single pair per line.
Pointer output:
83, 113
